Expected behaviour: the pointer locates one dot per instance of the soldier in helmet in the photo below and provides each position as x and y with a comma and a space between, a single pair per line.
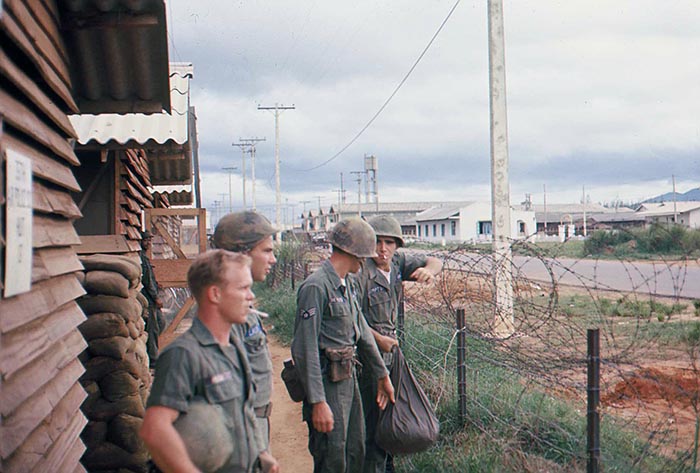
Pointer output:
251, 233
208, 365
328, 329
381, 290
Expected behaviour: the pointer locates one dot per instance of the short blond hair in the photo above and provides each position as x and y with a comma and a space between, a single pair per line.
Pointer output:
208, 269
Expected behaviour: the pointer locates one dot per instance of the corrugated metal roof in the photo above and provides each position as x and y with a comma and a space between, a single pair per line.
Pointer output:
164, 136
118, 54
442, 213
667, 208
138, 128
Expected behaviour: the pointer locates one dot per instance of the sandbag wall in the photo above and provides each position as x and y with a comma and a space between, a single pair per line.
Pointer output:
116, 376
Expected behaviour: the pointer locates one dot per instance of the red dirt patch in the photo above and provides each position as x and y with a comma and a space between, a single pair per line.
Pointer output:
676, 386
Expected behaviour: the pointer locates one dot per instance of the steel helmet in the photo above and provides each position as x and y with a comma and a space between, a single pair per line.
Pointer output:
241, 231
208, 441
387, 226
354, 236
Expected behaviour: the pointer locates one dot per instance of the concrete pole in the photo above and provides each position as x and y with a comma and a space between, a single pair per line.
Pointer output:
278, 193
252, 173
585, 228
504, 324
245, 205
230, 193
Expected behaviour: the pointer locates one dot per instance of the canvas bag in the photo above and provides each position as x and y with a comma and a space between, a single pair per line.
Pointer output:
410, 425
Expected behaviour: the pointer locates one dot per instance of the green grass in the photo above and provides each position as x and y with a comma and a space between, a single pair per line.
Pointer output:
512, 424
280, 304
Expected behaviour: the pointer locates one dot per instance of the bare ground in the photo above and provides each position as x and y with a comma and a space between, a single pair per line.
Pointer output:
288, 433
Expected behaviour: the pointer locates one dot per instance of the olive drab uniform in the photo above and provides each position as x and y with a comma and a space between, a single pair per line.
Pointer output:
255, 341
328, 317
155, 323
196, 367
379, 300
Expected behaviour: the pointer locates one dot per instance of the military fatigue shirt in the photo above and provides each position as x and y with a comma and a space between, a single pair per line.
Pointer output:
380, 298
255, 341
328, 316
196, 367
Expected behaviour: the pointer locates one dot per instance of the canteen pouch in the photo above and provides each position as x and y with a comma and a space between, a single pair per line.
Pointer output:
292, 381
340, 363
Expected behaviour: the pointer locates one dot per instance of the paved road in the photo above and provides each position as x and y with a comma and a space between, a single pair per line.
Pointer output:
673, 279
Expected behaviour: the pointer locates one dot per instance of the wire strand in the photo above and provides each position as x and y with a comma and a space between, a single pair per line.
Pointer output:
386, 102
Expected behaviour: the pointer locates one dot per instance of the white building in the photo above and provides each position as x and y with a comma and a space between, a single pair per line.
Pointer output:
470, 222
686, 213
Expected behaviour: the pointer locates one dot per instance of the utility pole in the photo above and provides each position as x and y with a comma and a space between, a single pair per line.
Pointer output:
675, 209
359, 191
544, 190
242, 146
585, 232
230, 195
504, 324
248, 144
278, 195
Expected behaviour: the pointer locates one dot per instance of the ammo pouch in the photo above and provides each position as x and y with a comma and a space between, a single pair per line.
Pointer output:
340, 363
292, 381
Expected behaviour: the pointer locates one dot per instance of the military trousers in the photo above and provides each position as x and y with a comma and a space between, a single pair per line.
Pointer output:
375, 457
342, 449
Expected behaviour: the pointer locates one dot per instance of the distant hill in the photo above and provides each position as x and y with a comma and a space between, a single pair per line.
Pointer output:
691, 195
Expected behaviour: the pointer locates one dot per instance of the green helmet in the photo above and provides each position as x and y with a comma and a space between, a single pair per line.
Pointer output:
208, 441
387, 226
354, 236
241, 231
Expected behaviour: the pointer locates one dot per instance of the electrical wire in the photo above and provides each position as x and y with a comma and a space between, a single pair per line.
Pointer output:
386, 102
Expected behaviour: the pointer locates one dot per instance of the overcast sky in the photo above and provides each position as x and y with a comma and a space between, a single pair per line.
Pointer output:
600, 94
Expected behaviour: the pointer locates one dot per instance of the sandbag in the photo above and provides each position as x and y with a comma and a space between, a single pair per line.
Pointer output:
94, 433
103, 326
410, 425
109, 283
128, 307
127, 267
123, 432
100, 366
118, 385
113, 347
108, 456
103, 409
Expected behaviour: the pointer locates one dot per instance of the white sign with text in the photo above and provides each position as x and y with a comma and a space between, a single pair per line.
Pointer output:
18, 252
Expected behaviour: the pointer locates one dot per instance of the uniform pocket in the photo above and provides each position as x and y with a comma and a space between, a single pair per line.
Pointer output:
218, 393
379, 298
338, 309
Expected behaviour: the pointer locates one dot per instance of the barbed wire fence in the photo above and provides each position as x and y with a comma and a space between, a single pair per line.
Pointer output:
526, 394
523, 404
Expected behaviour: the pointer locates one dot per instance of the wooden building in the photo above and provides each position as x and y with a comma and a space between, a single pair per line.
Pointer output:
57, 58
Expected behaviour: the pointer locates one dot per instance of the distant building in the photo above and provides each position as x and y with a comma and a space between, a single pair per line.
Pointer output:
470, 222
686, 214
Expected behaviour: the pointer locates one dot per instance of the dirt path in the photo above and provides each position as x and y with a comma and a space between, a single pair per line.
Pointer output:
289, 434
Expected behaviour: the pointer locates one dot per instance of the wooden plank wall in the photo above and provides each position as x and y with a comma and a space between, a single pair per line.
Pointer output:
40, 395
133, 195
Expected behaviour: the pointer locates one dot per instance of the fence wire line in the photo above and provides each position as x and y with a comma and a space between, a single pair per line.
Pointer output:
527, 393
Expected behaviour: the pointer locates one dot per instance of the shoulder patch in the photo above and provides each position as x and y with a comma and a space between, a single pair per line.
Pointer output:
308, 313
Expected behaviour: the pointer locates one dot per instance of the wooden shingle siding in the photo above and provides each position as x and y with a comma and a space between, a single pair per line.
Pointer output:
40, 393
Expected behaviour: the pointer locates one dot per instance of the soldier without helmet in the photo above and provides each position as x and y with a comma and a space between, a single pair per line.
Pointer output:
200, 415
328, 328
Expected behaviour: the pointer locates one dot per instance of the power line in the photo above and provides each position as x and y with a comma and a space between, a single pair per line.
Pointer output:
386, 102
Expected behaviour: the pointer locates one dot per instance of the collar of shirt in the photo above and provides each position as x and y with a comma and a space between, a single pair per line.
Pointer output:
333, 277
203, 335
